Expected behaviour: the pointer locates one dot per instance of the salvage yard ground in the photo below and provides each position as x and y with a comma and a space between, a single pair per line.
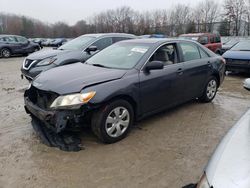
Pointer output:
166, 150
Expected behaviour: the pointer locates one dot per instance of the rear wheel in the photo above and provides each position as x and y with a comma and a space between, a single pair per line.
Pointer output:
210, 90
113, 121
5, 52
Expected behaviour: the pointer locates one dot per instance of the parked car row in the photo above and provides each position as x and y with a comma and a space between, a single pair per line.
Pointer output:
16, 45
43, 42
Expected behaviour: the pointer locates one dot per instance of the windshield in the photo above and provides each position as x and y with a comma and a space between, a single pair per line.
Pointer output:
119, 56
242, 46
77, 44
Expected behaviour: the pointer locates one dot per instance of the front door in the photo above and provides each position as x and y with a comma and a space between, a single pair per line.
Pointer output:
162, 88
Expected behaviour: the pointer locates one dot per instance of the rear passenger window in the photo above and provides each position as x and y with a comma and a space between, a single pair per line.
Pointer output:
103, 43
117, 39
190, 51
10, 39
217, 39
203, 54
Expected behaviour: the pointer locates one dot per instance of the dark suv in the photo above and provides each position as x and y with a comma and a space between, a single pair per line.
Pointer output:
77, 50
13, 45
211, 41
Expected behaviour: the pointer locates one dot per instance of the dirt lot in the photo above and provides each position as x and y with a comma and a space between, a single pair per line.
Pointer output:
166, 150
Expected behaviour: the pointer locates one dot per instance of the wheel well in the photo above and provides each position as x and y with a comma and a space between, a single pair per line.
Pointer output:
216, 75
128, 99
5, 48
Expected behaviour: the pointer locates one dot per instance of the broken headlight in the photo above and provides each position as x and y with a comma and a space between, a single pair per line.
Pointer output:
203, 183
73, 101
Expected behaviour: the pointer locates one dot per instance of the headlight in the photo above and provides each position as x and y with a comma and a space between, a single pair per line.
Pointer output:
203, 182
73, 101
46, 62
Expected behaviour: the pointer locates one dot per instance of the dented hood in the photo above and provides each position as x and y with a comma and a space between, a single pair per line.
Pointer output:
229, 166
73, 78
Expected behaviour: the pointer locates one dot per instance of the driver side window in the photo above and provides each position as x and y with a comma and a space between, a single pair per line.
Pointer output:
103, 43
166, 54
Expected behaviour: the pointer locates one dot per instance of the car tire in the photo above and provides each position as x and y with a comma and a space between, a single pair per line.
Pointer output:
210, 90
113, 121
5, 52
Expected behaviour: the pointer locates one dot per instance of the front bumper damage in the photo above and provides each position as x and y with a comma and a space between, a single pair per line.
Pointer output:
51, 126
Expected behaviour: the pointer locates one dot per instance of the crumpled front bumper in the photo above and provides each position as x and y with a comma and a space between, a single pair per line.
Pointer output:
50, 126
56, 120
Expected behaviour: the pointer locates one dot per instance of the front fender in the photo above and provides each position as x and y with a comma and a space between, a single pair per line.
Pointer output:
126, 86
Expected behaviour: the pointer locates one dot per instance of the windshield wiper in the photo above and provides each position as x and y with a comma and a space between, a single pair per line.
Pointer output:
99, 65
244, 50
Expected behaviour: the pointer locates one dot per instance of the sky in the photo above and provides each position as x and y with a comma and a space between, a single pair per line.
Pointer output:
70, 11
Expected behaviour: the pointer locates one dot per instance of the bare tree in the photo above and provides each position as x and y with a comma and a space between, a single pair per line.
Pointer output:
235, 10
205, 14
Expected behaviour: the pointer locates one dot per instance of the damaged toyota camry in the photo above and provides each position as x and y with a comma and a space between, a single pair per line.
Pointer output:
124, 83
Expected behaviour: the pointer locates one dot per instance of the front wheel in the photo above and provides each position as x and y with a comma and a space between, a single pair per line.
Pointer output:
210, 90
113, 121
5, 53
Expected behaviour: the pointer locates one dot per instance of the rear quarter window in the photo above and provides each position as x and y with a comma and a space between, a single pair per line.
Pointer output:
203, 53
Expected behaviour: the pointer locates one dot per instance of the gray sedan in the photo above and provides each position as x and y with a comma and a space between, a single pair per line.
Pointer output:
229, 167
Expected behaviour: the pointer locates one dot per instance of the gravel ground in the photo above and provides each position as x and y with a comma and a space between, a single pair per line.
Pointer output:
166, 150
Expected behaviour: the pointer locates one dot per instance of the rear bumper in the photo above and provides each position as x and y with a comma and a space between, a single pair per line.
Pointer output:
56, 120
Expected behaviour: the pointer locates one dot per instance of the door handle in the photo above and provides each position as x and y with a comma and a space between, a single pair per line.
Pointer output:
180, 71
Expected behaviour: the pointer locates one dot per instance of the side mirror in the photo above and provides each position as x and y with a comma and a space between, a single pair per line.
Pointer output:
246, 84
154, 65
91, 49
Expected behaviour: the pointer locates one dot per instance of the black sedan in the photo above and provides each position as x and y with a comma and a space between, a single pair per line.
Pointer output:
123, 83
16, 45
77, 50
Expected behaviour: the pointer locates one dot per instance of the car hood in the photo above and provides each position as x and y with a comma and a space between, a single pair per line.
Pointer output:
244, 55
43, 54
226, 46
74, 77
230, 164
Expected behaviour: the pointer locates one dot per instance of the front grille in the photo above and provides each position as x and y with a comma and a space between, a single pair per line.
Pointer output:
42, 99
27, 63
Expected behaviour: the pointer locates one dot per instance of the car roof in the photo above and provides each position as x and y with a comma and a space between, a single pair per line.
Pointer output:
156, 40
3, 35
110, 35
196, 34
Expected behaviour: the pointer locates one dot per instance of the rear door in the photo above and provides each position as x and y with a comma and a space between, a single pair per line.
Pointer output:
23, 44
197, 67
162, 88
